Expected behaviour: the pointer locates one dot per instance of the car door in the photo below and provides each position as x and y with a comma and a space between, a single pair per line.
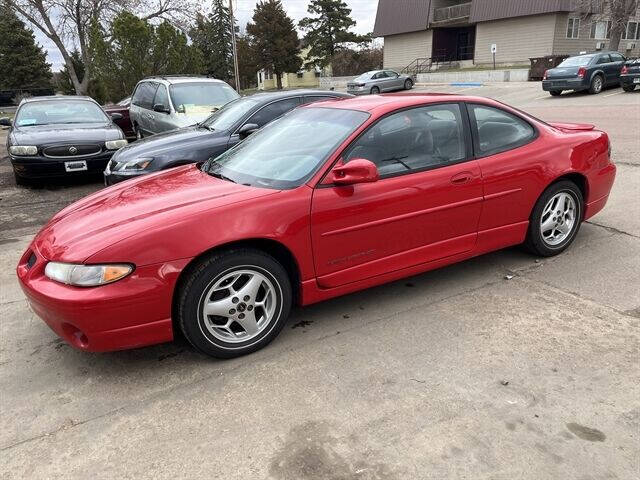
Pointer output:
266, 114
617, 60
510, 160
395, 82
425, 206
604, 63
144, 117
161, 121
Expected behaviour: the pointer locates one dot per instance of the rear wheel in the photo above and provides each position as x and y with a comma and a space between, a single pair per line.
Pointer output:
597, 82
234, 302
555, 93
555, 219
629, 88
408, 84
375, 90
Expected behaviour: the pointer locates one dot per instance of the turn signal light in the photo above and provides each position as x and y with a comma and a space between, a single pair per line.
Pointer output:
544, 77
624, 70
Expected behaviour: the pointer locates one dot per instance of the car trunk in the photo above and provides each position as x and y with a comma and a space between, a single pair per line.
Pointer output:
560, 73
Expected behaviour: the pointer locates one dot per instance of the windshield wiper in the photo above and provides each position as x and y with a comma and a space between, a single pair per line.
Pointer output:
202, 125
221, 177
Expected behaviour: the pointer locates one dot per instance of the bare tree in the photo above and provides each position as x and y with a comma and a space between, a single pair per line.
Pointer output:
618, 12
67, 23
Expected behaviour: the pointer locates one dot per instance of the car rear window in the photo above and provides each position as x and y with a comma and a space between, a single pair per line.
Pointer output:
580, 61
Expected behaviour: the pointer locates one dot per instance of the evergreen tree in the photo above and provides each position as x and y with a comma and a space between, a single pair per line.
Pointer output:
23, 63
274, 39
212, 36
63, 80
247, 63
327, 29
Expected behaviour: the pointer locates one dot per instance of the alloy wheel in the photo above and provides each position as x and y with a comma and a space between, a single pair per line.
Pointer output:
558, 219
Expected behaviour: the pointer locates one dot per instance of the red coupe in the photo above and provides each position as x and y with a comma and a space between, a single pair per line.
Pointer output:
332, 198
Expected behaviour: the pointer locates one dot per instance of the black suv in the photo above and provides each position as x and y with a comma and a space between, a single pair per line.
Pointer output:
221, 131
592, 72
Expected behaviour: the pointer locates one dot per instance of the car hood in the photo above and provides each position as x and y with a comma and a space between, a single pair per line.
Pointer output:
170, 143
60, 133
98, 221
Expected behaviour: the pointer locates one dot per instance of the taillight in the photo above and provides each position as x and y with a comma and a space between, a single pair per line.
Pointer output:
582, 72
544, 77
624, 70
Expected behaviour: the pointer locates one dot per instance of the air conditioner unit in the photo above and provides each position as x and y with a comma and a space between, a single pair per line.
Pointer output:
599, 45
631, 45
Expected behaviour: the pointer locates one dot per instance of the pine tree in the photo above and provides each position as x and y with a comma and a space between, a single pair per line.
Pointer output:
23, 63
327, 29
212, 36
274, 39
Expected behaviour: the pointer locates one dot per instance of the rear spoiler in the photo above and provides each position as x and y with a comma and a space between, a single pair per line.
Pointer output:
573, 126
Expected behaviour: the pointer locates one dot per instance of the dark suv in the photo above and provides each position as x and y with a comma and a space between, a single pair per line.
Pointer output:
210, 138
592, 72
630, 75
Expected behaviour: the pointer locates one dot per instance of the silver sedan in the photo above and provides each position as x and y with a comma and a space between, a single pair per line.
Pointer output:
378, 81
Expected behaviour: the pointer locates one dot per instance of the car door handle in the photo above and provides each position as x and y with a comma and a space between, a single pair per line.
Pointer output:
462, 177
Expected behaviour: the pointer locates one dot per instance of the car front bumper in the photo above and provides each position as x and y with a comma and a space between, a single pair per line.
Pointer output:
630, 79
130, 313
564, 84
38, 167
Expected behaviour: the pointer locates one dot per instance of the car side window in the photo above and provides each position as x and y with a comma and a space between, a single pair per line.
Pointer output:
616, 57
497, 130
273, 111
413, 140
162, 97
143, 96
315, 98
391, 74
603, 59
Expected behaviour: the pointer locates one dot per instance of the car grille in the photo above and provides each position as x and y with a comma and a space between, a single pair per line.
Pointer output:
82, 150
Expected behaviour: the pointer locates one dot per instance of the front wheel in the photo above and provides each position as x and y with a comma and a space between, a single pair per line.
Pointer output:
555, 219
234, 302
597, 83
375, 90
629, 88
408, 84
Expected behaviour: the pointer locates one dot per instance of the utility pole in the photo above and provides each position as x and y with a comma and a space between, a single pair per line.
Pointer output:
233, 46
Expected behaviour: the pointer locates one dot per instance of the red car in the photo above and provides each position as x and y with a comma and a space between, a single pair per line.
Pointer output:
332, 198
122, 107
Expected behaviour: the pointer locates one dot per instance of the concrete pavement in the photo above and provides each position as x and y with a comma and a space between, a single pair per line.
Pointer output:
502, 367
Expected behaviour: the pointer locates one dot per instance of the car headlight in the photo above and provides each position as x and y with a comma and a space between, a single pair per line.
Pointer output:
131, 166
115, 144
23, 150
86, 275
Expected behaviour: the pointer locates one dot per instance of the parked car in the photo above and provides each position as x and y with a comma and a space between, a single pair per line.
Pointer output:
160, 104
61, 136
332, 198
222, 130
592, 72
122, 107
630, 75
378, 81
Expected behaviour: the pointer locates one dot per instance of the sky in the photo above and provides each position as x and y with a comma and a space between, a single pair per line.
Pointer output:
362, 11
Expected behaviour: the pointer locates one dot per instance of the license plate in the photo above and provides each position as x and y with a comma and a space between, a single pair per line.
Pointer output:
76, 166
636, 80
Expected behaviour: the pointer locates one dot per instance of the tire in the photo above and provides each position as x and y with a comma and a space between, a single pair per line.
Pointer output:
225, 280
375, 91
555, 93
408, 84
539, 240
597, 84
629, 88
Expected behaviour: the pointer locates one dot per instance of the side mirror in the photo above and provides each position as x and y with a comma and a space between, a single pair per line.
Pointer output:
158, 107
358, 170
115, 116
5, 122
247, 129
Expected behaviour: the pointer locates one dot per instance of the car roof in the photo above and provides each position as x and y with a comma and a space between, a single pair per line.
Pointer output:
394, 101
57, 98
268, 96
173, 79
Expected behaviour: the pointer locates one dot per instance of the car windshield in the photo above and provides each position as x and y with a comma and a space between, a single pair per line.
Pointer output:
230, 114
576, 61
364, 77
59, 111
200, 97
288, 151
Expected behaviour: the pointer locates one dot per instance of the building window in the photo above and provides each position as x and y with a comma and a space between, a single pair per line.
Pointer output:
601, 30
300, 74
632, 31
573, 28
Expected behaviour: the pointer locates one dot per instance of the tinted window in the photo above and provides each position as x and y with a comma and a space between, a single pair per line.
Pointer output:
616, 57
316, 98
161, 97
498, 130
580, 61
603, 59
416, 139
56, 111
230, 114
273, 110
287, 152
143, 96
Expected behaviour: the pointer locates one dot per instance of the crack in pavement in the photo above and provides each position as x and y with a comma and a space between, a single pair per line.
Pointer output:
611, 229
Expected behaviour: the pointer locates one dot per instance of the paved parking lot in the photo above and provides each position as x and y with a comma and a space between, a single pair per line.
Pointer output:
501, 367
